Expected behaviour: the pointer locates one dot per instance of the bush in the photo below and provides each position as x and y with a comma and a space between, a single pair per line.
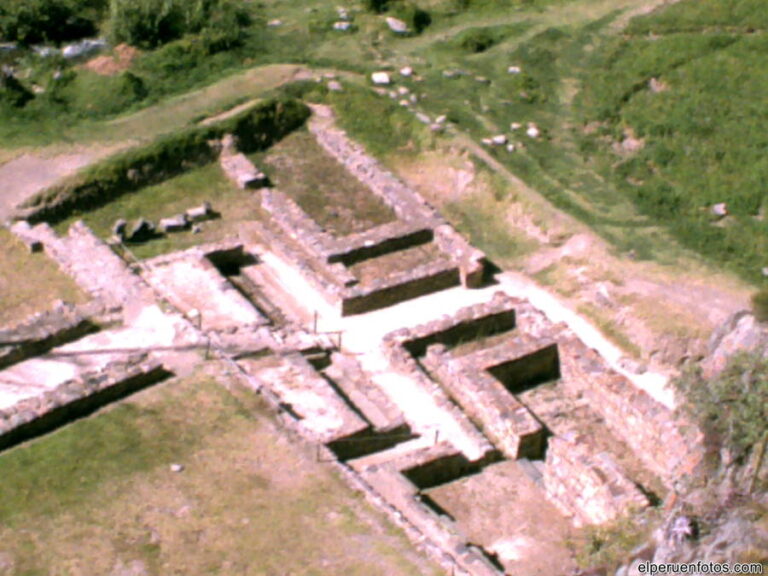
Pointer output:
151, 23
476, 40
732, 407
760, 305
13, 94
33, 21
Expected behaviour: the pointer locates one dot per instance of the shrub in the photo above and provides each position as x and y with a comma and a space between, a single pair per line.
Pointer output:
151, 23
477, 40
32, 21
760, 305
732, 407
13, 94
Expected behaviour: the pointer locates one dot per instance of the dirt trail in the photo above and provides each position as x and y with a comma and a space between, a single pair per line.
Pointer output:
27, 175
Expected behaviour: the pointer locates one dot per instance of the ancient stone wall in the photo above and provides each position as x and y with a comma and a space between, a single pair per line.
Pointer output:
42, 332
76, 398
665, 441
111, 282
506, 422
590, 488
395, 288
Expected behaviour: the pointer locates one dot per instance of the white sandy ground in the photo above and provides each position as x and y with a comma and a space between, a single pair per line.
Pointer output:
149, 330
190, 285
362, 336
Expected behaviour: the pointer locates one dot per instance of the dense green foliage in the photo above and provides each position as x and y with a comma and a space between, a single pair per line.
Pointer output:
732, 407
255, 129
150, 23
30, 21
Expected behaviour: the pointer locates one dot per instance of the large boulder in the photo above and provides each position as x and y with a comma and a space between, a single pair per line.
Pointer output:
740, 333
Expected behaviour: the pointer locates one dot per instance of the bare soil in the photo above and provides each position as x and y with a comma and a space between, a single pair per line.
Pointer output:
503, 510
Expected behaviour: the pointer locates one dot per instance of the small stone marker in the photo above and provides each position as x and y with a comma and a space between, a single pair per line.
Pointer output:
380, 78
396, 25
200, 213
175, 223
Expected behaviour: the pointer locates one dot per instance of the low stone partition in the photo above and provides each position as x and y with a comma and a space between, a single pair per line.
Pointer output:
323, 415
287, 214
509, 424
76, 398
404, 362
384, 239
378, 409
471, 260
665, 441
396, 288
591, 489
111, 282
387, 473
42, 332
237, 167
405, 202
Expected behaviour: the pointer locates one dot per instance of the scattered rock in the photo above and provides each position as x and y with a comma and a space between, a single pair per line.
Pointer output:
765, 271
275, 23
514, 70
196, 229
402, 90
515, 126
343, 13
342, 26
482, 80
423, 118
83, 48
487, 141
533, 131
449, 74
200, 213
405, 103
741, 332
441, 119
511, 148
414, 98
396, 25
176, 223
499, 140
335, 86
655, 85
141, 231
437, 127
380, 78
406, 71
177, 468
720, 210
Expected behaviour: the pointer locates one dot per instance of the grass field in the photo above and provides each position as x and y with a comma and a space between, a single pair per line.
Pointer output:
324, 189
29, 283
98, 496
172, 197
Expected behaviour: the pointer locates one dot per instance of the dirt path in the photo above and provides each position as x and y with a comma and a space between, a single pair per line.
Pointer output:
27, 175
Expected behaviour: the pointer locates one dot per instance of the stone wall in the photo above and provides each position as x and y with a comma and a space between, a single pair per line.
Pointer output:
496, 316
42, 332
76, 398
405, 202
590, 488
111, 283
395, 288
664, 440
508, 424
384, 239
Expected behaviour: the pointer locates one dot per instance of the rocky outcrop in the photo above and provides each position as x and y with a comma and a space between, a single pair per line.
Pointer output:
740, 333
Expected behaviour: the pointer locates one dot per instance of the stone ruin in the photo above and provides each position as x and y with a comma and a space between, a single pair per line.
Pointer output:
417, 395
